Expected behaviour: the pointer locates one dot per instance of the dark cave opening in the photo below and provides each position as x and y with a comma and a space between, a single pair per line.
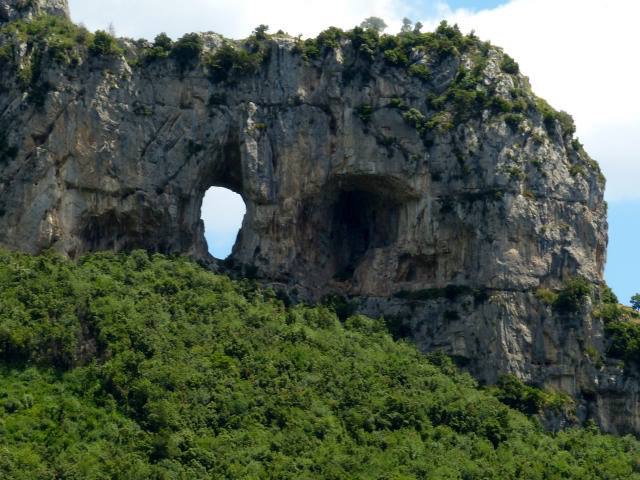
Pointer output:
361, 221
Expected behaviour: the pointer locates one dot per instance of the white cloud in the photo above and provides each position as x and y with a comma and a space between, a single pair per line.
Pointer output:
581, 55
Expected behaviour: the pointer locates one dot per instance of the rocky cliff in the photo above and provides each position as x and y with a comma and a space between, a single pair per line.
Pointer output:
27, 9
418, 175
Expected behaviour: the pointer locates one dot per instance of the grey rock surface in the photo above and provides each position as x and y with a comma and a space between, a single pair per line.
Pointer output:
26, 9
449, 234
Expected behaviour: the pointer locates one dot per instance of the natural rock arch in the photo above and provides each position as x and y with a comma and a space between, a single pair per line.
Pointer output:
355, 181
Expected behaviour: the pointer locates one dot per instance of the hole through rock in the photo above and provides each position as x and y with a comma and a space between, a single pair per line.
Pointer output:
223, 211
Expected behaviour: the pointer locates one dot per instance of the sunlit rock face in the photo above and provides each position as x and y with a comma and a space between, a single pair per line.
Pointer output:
25, 9
446, 225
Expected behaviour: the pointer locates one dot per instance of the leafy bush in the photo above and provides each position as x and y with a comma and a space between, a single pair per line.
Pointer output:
6, 54
330, 38
364, 41
364, 113
531, 400
260, 32
609, 312
103, 44
513, 120
513, 392
635, 302
187, 50
501, 105
444, 42
566, 123
396, 57
166, 370
575, 170
546, 296
58, 36
509, 65
622, 326
551, 116
516, 172
572, 297
624, 337
467, 98
161, 48
419, 70
397, 102
607, 295
441, 122
308, 49
397, 50
229, 63
375, 24
416, 118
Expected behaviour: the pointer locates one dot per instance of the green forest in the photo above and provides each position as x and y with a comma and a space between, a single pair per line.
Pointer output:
138, 366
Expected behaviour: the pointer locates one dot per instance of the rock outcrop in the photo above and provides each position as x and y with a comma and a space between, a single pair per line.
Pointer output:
26, 9
437, 191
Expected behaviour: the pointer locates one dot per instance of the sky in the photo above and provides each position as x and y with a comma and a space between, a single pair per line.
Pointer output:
581, 55
222, 213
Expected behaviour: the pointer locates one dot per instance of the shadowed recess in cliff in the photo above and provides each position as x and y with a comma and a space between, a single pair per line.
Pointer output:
361, 221
222, 213
365, 216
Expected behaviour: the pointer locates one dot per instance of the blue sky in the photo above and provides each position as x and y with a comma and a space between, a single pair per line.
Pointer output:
590, 75
222, 213
623, 262
468, 4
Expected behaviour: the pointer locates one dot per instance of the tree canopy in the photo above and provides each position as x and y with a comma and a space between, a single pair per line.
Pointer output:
374, 23
141, 366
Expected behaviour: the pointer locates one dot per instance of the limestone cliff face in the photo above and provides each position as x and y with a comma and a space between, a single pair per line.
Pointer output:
360, 177
26, 9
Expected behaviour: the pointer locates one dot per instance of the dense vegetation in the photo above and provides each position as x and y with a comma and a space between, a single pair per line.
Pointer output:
137, 366
572, 297
103, 44
622, 326
622, 323
187, 50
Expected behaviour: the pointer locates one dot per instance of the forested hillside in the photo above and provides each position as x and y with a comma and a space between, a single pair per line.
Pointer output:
137, 367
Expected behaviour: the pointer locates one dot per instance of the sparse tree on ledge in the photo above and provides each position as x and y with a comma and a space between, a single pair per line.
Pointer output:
407, 25
635, 302
261, 32
374, 23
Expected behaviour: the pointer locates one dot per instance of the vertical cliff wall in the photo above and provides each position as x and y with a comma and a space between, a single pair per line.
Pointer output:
11, 10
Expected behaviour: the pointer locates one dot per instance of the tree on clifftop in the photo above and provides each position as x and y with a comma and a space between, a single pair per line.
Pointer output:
635, 302
374, 23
